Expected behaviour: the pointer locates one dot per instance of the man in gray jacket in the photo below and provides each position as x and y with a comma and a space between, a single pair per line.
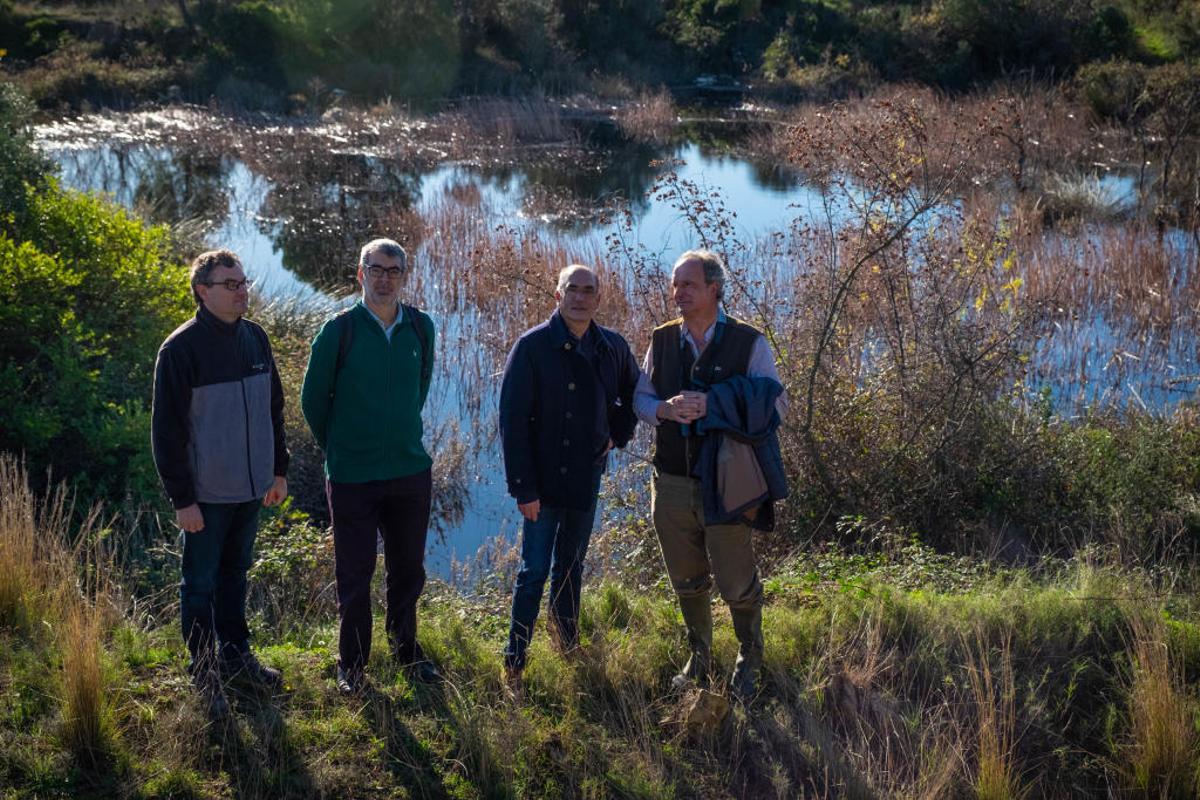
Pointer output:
217, 433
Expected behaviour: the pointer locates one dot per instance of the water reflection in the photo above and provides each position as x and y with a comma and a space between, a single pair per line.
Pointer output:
323, 206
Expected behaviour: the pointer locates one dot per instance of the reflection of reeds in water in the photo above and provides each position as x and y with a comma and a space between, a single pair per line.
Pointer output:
1124, 304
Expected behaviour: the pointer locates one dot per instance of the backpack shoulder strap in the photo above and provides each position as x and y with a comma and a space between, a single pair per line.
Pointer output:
345, 330
411, 312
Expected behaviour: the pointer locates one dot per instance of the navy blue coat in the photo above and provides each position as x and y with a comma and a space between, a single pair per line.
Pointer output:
549, 407
743, 408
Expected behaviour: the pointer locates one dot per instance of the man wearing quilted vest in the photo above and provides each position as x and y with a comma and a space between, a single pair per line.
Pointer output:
685, 359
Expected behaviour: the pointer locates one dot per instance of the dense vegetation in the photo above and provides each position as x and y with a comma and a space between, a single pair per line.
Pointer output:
991, 598
294, 53
86, 294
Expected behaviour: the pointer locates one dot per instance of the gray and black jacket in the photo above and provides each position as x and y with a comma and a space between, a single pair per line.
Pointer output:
218, 413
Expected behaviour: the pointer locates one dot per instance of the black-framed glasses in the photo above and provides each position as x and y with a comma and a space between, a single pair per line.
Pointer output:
376, 271
230, 284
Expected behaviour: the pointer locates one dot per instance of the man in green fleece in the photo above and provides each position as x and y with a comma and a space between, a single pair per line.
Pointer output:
367, 379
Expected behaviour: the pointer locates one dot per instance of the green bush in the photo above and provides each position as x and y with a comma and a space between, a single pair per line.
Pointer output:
20, 163
85, 300
1112, 89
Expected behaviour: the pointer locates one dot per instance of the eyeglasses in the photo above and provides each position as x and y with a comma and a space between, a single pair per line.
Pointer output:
230, 284
376, 271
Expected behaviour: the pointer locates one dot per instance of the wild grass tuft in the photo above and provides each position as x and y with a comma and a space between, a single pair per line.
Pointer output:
1163, 748
997, 776
86, 724
20, 568
650, 117
1081, 198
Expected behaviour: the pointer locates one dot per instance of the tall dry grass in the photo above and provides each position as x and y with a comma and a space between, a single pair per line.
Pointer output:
55, 575
997, 775
1162, 749
20, 570
86, 710
650, 117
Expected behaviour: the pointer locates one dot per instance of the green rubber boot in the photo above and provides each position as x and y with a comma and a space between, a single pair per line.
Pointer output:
747, 624
697, 616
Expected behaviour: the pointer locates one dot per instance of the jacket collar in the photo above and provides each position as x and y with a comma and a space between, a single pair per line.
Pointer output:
210, 320
561, 336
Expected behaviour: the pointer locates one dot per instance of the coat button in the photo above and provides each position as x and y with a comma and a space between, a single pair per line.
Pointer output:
562, 470
568, 415
566, 442
571, 387
567, 346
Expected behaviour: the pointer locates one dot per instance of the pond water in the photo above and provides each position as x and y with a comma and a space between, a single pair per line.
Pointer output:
297, 214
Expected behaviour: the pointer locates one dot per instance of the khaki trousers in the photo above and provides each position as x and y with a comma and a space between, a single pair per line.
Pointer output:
694, 553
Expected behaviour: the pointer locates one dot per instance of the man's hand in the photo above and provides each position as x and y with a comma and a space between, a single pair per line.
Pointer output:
607, 447
684, 408
189, 518
276, 493
530, 510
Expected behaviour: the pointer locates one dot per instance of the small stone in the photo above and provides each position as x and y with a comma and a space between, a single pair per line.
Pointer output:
705, 712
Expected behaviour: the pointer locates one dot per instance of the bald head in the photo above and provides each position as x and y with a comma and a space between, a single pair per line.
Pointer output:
578, 296
580, 272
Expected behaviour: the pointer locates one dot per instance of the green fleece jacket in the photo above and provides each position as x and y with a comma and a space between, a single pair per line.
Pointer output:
367, 416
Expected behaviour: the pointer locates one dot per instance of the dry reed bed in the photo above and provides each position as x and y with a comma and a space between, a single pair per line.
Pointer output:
897, 319
650, 117
1023, 133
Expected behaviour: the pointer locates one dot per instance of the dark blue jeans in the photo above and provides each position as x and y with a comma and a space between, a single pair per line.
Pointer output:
212, 594
553, 547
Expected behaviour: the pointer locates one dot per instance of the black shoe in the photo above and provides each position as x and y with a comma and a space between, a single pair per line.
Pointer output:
212, 694
247, 668
424, 671
350, 681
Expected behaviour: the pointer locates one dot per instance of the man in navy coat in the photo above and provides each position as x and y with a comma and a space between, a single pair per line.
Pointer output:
566, 400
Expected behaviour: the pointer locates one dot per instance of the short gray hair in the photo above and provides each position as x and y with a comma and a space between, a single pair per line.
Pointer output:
714, 267
389, 247
564, 275
204, 264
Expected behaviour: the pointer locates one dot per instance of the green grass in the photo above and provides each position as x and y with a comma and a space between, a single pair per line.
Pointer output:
894, 671
848, 661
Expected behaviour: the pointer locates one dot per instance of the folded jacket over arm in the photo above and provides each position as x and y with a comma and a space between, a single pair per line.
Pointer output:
740, 467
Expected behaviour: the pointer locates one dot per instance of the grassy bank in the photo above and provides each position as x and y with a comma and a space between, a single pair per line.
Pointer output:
897, 675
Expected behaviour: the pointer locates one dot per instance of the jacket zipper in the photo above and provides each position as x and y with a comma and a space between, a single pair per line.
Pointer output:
246, 413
